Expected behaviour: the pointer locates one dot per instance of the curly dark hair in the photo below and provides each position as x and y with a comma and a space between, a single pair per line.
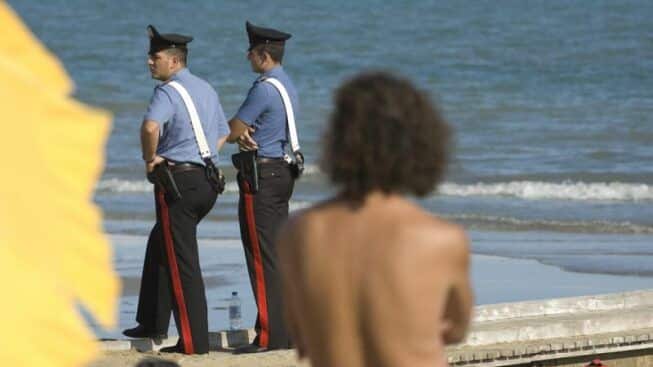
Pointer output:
384, 134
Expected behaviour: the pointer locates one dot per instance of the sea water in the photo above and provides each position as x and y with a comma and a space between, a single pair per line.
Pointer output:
551, 102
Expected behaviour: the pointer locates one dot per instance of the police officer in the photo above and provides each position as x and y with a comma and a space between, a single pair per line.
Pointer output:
172, 279
260, 124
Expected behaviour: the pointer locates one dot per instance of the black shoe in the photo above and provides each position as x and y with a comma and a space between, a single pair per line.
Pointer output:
154, 362
177, 349
250, 348
140, 332
172, 349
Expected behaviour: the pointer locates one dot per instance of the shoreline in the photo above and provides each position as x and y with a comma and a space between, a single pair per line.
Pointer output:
496, 279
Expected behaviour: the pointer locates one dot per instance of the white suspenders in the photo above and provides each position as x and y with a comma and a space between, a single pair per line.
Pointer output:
290, 114
205, 151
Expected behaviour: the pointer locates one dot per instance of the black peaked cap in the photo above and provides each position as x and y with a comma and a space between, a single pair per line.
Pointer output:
165, 41
259, 35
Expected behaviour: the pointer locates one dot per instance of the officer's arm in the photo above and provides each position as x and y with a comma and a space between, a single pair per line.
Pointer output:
245, 120
236, 129
160, 110
240, 133
149, 139
221, 141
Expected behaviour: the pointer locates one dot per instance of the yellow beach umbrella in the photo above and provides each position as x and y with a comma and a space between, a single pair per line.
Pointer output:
53, 255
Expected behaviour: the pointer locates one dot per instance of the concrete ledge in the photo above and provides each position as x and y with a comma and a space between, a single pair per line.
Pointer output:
534, 328
115, 345
511, 334
561, 318
220, 340
231, 338
147, 345
603, 302
512, 354
578, 327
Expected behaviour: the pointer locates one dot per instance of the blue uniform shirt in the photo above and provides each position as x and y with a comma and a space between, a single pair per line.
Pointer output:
177, 140
263, 110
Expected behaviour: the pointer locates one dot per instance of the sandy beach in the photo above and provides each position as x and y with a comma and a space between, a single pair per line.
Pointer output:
285, 358
510, 277
496, 279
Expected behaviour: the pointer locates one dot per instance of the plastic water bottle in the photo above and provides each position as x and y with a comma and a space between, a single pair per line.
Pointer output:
235, 318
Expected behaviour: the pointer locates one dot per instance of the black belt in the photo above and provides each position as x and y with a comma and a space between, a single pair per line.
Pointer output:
184, 166
263, 160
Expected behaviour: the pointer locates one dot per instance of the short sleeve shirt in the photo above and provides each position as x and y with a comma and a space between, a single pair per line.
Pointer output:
263, 109
177, 140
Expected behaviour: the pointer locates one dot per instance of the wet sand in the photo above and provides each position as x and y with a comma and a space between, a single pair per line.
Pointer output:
495, 279
131, 285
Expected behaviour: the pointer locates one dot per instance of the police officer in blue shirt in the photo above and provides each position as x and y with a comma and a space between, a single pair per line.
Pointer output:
260, 124
172, 279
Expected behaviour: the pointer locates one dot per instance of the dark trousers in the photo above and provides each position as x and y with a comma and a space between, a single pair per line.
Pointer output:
172, 278
260, 216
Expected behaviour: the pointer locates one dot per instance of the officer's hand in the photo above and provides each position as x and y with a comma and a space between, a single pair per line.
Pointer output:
149, 167
245, 141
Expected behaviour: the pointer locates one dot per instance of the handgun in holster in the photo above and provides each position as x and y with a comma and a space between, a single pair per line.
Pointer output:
245, 163
214, 175
296, 164
162, 177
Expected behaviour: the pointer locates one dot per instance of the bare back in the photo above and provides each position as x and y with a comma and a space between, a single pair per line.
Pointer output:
384, 284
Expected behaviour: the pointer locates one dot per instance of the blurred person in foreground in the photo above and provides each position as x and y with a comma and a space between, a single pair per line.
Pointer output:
54, 259
369, 277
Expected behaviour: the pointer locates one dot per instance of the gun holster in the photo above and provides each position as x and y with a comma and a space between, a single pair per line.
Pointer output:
215, 176
297, 165
245, 163
163, 178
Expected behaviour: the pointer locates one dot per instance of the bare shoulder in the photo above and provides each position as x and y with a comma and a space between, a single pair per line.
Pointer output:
301, 224
436, 235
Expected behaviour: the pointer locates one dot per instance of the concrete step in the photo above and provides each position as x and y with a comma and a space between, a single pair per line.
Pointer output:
547, 351
221, 340
537, 308
561, 318
559, 326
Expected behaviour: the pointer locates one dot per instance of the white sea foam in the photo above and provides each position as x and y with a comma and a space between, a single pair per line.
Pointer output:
125, 186
298, 205
311, 169
532, 190
231, 187
118, 185
567, 190
510, 223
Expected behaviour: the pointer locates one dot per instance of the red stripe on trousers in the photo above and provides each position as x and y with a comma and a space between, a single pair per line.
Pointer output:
262, 302
174, 274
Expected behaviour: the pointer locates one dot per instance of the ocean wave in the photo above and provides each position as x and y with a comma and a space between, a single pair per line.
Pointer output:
118, 185
514, 224
566, 190
311, 169
531, 190
298, 205
126, 186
